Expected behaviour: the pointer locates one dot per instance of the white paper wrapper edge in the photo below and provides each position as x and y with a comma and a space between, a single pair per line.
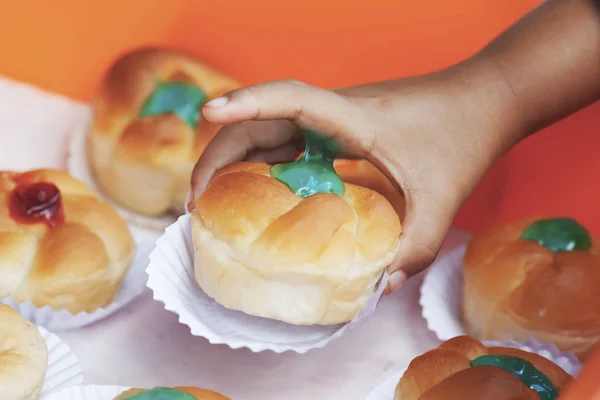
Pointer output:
172, 280
64, 369
440, 296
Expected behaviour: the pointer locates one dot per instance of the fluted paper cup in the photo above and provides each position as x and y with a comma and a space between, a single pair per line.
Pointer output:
441, 296
567, 361
171, 278
78, 167
133, 284
87, 392
63, 367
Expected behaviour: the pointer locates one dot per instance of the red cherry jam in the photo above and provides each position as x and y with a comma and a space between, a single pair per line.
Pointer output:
34, 203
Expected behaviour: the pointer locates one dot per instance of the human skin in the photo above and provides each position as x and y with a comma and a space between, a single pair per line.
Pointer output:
433, 135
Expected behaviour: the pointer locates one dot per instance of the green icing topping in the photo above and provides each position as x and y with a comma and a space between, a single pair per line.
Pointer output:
161, 393
559, 234
313, 172
524, 370
182, 99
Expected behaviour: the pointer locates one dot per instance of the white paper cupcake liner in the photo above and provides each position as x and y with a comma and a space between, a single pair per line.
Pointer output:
171, 278
441, 295
78, 167
63, 367
567, 361
133, 284
87, 392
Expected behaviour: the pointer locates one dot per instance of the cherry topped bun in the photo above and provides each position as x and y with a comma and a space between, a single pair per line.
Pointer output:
464, 369
60, 246
535, 278
23, 357
304, 257
178, 393
148, 131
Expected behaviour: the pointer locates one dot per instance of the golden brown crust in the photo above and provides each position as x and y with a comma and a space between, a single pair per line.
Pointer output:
323, 254
363, 173
199, 394
77, 265
23, 357
145, 163
516, 289
447, 369
472, 383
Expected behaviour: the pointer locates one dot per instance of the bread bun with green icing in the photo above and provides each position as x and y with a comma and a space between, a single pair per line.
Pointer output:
23, 357
148, 132
464, 369
535, 278
263, 249
177, 393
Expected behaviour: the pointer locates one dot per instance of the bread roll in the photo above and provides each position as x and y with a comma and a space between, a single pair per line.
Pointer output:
144, 161
261, 249
446, 373
23, 357
517, 289
365, 174
178, 393
59, 245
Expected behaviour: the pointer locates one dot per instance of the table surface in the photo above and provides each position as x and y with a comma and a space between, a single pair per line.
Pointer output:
144, 345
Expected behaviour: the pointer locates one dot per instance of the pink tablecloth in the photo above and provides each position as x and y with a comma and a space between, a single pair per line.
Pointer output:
144, 345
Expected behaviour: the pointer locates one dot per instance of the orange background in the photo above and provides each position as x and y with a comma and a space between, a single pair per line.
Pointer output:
65, 45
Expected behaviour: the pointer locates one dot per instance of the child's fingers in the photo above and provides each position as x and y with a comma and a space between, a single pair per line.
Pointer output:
424, 229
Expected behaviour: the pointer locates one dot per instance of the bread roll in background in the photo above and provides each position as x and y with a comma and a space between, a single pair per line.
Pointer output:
261, 249
23, 357
60, 246
517, 289
445, 373
196, 393
144, 162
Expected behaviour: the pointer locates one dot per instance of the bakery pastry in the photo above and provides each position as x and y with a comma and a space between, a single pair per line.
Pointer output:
147, 130
178, 393
60, 246
464, 369
23, 357
365, 174
293, 256
535, 278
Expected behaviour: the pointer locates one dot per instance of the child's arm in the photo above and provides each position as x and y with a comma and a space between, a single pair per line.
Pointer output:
551, 60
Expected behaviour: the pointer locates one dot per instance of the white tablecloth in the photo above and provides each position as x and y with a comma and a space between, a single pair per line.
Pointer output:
145, 346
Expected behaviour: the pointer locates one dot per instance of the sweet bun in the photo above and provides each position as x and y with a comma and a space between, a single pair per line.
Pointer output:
261, 249
23, 357
140, 153
446, 373
177, 393
516, 288
363, 173
60, 246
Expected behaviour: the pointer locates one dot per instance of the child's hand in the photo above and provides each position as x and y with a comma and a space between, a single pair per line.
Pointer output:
420, 132
435, 135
